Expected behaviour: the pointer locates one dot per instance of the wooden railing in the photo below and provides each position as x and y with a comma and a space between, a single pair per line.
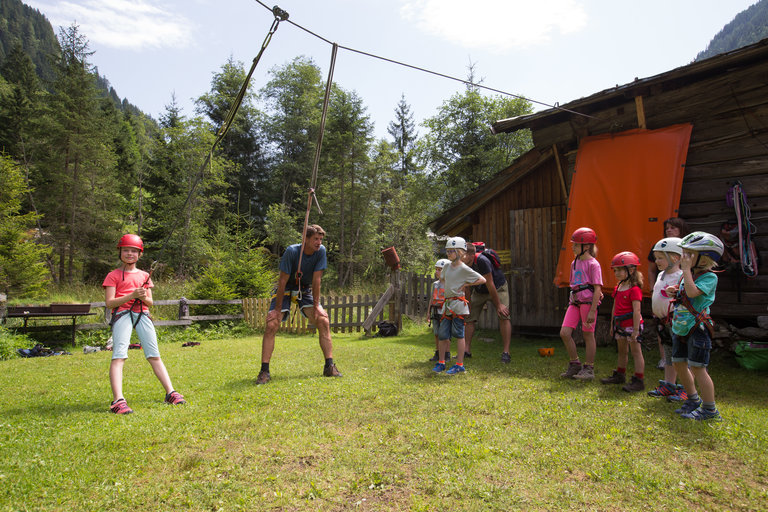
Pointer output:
183, 317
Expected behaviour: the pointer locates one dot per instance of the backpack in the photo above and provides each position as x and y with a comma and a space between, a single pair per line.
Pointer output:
386, 329
489, 253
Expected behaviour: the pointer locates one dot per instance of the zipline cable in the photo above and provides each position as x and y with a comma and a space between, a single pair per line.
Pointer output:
442, 75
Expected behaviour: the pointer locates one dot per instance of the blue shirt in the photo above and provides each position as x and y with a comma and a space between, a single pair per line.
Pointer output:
309, 265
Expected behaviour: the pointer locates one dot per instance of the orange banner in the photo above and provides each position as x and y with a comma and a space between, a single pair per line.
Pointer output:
624, 186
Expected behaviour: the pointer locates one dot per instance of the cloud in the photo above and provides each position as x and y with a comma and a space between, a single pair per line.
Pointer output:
126, 24
496, 25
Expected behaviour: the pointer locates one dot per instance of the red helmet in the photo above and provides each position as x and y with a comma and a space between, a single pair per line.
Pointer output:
131, 241
625, 258
584, 236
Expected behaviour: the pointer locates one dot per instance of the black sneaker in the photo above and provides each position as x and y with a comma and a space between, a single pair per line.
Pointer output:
435, 357
467, 354
506, 358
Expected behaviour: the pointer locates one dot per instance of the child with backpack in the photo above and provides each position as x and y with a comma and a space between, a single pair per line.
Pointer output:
667, 254
128, 292
456, 276
692, 327
586, 292
627, 320
436, 306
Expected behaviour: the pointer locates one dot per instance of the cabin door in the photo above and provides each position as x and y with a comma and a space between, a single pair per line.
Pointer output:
536, 235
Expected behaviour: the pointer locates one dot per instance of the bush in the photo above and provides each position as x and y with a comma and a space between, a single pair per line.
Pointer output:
9, 342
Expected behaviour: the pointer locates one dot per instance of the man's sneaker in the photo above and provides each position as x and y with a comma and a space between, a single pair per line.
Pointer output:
688, 406
456, 369
635, 385
467, 354
435, 357
439, 367
702, 414
331, 371
573, 369
586, 373
174, 398
263, 377
506, 358
120, 407
615, 378
663, 389
679, 396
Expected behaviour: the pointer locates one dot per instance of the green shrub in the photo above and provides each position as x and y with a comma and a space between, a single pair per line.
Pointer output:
9, 342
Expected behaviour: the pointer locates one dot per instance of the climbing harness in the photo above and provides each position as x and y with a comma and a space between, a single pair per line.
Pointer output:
702, 317
747, 254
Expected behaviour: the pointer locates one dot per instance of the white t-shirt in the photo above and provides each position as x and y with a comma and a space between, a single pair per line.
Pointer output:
659, 299
455, 278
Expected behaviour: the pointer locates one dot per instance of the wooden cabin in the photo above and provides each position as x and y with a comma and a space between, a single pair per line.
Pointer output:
522, 211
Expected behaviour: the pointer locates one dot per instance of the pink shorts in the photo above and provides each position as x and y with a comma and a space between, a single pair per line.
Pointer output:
574, 314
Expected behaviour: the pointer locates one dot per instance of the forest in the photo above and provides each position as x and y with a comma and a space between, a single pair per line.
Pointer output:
80, 167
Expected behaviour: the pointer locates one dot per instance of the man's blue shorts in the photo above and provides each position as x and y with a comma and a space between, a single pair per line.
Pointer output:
694, 350
306, 301
451, 327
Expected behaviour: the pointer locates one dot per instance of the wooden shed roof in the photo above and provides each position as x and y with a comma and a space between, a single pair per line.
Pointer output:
670, 80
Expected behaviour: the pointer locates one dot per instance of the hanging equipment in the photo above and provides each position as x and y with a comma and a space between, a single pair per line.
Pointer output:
311, 192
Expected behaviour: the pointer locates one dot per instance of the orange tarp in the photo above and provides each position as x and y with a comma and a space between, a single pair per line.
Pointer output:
624, 186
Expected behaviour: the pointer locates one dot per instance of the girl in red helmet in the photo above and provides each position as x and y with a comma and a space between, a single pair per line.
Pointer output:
586, 293
128, 293
627, 320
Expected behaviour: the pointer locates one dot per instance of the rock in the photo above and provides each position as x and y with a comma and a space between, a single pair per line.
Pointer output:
762, 322
753, 333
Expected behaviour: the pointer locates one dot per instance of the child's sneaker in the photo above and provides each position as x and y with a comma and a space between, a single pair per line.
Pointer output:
663, 389
439, 367
702, 414
506, 358
635, 385
586, 373
120, 407
435, 357
690, 405
615, 378
456, 369
263, 378
174, 398
573, 369
679, 396
447, 356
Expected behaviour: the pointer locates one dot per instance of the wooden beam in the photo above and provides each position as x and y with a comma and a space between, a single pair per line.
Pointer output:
640, 112
560, 172
378, 308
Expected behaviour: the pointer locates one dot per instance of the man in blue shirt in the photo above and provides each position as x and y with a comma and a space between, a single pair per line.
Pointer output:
495, 290
303, 288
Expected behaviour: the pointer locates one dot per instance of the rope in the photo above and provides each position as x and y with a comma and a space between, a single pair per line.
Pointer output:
318, 148
442, 75
747, 253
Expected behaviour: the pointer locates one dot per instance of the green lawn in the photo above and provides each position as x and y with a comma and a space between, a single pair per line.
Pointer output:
389, 435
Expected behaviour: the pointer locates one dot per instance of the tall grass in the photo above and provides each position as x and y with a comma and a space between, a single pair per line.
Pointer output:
389, 435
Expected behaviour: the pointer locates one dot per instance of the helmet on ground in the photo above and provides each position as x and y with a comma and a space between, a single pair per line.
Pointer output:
441, 263
456, 242
669, 244
703, 243
131, 241
625, 258
584, 236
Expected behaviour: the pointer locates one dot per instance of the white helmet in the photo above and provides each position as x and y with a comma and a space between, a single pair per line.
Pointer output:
703, 243
669, 244
441, 263
456, 242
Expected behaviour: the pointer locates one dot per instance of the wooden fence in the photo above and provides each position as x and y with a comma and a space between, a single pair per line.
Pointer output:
183, 317
347, 313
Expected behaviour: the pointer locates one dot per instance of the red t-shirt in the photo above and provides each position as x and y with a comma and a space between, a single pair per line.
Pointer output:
623, 303
125, 283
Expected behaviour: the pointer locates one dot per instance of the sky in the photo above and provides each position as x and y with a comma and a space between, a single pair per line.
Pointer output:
549, 51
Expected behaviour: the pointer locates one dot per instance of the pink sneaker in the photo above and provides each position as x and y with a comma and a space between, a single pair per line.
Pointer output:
175, 398
120, 406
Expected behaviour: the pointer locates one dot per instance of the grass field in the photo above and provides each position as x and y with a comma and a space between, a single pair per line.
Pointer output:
389, 435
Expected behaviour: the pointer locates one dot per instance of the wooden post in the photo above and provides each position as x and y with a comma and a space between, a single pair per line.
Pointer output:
397, 318
640, 112
560, 172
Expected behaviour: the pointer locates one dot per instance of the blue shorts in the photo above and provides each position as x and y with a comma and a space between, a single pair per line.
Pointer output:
693, 348
451, 327
145, 330
306, 301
